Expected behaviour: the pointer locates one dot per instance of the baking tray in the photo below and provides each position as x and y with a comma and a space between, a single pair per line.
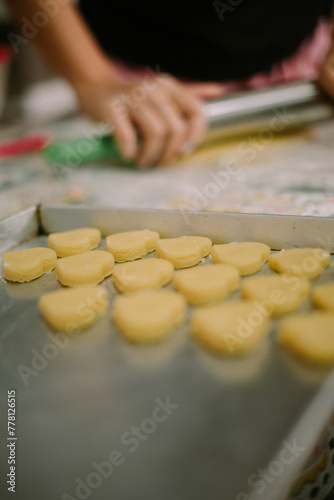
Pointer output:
83, 401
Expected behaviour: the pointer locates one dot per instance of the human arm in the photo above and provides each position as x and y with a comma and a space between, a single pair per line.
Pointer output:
170, 116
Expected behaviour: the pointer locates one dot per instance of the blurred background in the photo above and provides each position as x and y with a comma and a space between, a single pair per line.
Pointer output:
29, 89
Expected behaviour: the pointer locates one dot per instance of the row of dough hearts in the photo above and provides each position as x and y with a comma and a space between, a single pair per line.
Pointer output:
183, 252
232, 328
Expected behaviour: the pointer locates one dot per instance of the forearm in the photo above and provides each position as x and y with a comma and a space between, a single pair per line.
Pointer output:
65, 40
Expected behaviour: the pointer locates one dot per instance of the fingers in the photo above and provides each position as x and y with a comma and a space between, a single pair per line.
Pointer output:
153, 133
124, 130
192, 109
185, 118
326, 76
175, 126
169, 121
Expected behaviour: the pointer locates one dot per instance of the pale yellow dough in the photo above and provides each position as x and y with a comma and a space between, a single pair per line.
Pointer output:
279, 293
26, 265
307, 262
309, 336
207, 283
74, 242
185, 251
131, 245
142, 274
232, 328
248, 257
74, 309
87, 268
148, 316
323, 296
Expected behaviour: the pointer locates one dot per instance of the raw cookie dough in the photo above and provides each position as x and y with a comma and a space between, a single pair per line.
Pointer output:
142, 274
131, 245
248, 257
74, 309
87, 268
73, 242
323, 296
280, 293
185, 251
309, 336
231, 328
147, 316
207, 283
26, 265
307, 262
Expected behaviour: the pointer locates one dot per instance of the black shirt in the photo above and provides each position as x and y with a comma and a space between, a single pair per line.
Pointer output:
203, 40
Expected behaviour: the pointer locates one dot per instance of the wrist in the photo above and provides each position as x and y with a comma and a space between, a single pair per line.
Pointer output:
93, 74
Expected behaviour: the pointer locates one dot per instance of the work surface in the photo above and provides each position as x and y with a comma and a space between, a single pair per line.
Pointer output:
263, 172
288, 173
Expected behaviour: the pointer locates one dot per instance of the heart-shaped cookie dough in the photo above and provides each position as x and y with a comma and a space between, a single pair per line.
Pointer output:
75, 241
87, 268
307, 262
323, 296
206, 283
309, 336
26, 265
185, 251
148, 315
73, 309
248, 257
131, 245
232, 328
279, 293
142, 274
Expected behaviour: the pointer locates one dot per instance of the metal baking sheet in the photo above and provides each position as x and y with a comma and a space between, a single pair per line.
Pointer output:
175, 421
277, 231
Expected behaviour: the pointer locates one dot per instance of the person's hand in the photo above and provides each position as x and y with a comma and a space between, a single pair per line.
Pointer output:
326, 75
153, 119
